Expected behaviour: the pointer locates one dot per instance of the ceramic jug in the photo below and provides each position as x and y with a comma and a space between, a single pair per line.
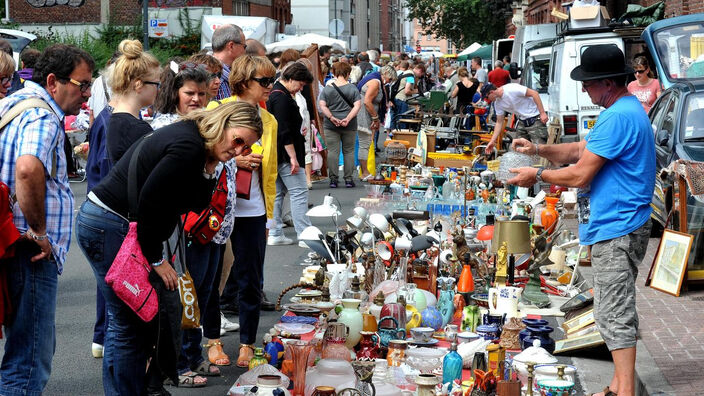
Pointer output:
446, 306
269, 385
387, 334
504, 301
352, 318
368, 346
396, 311
431, 318
470, 318
414, 317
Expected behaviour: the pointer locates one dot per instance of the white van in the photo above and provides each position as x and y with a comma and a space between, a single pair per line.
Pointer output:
566, 101
535, 72
528, 37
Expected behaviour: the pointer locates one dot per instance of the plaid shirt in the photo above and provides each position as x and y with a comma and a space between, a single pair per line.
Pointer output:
224, 90
37, 132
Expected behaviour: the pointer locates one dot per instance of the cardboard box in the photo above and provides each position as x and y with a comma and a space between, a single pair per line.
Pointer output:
587, 16
447, 162
411, 137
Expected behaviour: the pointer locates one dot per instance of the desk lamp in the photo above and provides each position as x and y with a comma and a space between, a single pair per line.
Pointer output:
515, 234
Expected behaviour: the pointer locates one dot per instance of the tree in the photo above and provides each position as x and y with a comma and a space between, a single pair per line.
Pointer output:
462, 21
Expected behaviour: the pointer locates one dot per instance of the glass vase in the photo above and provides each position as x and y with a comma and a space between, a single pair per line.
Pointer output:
299, 354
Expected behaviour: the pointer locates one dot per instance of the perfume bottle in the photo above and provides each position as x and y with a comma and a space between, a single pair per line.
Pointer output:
452, 365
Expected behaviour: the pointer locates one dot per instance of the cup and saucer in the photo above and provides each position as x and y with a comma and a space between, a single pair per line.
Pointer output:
423, 336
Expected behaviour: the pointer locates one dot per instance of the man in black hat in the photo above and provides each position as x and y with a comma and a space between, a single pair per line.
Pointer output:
525, 103
614, 168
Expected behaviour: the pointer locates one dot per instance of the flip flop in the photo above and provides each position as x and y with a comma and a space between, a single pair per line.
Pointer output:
205, 368
607, 392
188, 380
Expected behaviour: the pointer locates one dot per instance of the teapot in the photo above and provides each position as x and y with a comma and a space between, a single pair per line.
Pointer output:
387, 334
369, 346
504, 301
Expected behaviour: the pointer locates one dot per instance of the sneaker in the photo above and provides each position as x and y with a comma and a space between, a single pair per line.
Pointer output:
96, 350
302, 244
279, 240
227, 325
349, 183
333, 182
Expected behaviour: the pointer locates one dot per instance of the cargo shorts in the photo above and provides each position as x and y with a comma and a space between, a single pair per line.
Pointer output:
537, 132
615, 263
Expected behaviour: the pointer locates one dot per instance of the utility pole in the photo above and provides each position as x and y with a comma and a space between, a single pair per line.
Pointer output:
145, 23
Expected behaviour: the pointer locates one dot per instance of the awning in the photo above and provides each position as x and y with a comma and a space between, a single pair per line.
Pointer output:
484, 52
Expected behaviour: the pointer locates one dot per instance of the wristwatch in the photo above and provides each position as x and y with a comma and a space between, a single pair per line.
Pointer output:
538, 176
158, 263
35, 236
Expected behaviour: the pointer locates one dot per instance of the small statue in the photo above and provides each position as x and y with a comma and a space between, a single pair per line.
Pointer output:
501, 264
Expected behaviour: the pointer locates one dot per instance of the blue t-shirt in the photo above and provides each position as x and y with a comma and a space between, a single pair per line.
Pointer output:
618, 199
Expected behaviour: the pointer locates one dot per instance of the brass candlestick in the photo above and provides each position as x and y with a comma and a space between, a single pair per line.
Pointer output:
529, 391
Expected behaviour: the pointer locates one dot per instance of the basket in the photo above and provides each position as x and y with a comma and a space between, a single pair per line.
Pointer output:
396, 153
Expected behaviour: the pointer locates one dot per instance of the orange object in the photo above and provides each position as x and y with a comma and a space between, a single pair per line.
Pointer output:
485, 195
458, 302
548, 216
466, 281
486, 233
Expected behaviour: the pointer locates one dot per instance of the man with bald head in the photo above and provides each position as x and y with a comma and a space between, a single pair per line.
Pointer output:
255, 48
228, 43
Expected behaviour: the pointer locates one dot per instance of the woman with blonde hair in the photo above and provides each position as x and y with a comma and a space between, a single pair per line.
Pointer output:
175, 175
251, 81
645, 87
7, 69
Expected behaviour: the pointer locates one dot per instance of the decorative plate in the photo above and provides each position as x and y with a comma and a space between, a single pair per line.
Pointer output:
294, 328
299, 319
302, 309
431, 342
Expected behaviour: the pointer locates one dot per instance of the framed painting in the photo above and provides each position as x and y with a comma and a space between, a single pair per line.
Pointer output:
670, 263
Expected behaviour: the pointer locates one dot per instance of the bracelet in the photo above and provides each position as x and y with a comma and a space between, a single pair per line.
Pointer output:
537, 151
376, 118
158, 263
35, 236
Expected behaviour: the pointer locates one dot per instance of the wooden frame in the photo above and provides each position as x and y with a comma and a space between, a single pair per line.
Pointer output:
681, 207
571, 344
670, 263
578, 322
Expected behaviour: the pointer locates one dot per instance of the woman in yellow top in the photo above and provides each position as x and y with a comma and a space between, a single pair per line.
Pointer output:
251, 80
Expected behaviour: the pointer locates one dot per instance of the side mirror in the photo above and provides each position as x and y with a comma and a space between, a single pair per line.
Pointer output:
662, 138
514, 71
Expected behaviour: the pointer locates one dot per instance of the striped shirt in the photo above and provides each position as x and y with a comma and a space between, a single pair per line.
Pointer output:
40, 133
224, 90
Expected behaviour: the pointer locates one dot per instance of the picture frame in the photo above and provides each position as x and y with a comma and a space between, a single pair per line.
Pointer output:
670, 265
586, 341
578, 322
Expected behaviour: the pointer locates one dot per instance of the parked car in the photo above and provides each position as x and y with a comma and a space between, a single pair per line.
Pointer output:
18, 40
677, 117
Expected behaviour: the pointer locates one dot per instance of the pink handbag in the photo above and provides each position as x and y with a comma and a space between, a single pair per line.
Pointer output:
129, 277
129, 273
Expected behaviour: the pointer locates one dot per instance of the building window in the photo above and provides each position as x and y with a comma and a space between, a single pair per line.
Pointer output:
428, 37
240, 7
420, 35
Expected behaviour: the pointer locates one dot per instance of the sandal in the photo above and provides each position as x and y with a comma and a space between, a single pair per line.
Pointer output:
188, 380
607, 392
207, 369
219, 358
246, 353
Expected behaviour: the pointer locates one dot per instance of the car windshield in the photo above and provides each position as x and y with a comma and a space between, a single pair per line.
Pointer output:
694, 117
681, 50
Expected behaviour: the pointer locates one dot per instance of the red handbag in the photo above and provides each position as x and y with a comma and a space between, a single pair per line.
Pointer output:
203, 227
8, 232
243, 183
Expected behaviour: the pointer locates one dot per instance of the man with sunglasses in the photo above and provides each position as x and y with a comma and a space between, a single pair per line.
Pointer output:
614, 169
35, 170
228, 44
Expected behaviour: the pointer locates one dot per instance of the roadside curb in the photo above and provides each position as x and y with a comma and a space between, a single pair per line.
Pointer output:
650, 381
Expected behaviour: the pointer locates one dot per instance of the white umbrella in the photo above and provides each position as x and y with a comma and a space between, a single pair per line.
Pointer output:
300, 43
475, 46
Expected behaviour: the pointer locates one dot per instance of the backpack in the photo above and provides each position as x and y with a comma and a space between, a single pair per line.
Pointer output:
393, 90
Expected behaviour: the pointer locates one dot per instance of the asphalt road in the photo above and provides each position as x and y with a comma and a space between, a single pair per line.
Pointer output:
76, 372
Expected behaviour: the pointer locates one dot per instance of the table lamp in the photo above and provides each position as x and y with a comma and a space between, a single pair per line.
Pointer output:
516, 236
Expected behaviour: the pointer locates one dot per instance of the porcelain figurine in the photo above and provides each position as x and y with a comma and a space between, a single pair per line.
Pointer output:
459, 304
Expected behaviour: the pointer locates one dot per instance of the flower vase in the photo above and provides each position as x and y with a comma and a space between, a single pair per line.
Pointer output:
446, 306
258, 358
548, 217
353, 319
336, 349
299, 355
466, 282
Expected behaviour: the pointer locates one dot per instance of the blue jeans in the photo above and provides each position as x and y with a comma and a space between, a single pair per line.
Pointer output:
202, 262
30, 331
399, 108
297, 188
129, 340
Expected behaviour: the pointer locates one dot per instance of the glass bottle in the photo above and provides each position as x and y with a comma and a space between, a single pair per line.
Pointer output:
258, 358
452, 365
336, 349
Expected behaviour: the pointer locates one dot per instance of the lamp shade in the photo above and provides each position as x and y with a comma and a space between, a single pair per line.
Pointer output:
313, 237
379, 221
327, 209
360, 212
516, 234
402, 243
355, 222
384, 250
422, 242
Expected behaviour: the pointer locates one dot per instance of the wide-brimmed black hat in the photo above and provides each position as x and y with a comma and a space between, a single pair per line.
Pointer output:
599, 62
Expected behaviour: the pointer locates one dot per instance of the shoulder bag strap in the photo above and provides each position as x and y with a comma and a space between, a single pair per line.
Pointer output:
132, 190
342, 96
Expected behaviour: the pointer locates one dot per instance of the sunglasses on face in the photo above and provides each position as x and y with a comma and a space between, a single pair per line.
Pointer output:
83, 86
217, 75
5, 80
265, 81
246, 149
640, 71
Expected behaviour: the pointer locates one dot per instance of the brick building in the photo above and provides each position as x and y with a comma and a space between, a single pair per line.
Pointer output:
126, 12
538, 11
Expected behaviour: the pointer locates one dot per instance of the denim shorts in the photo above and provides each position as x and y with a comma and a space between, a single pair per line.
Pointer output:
615, 262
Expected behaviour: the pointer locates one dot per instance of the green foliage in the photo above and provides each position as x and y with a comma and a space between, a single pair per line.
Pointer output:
462, 21
104, 42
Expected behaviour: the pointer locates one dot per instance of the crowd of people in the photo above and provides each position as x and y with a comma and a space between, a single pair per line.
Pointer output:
232, 120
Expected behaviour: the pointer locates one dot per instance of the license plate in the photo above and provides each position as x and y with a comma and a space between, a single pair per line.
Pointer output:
589, 124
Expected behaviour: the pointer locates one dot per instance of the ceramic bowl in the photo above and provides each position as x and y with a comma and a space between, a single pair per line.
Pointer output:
555, 387
549, 371
467, 336
422, 334
425, 360
482, 299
